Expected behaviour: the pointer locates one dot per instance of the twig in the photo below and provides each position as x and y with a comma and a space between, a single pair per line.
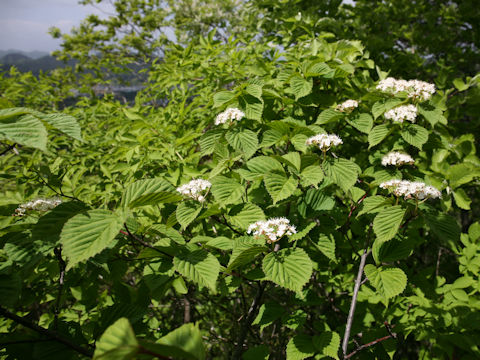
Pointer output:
252, 312
351, 313
224, 222
372, 343
142, 350
11, 147
186, 312
62, 266
45, 332
53, 189
437, 268
144, 243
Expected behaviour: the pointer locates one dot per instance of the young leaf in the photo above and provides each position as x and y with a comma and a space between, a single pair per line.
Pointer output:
387, 222
389, 282
199, 266
87, 234
117, 342
289, 268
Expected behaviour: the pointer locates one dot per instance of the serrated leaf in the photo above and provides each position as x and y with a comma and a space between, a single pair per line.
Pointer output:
280, 187
26, 130
226, 190
342, 172
243, 140
432, 114
260, 352
384, 105
443, 225
326, 245
388, 282
387, 222
198, 266
221, 242
327, 343
262, 165
374, 204
117, 342
245, 214
149, 191
209, 140
87, 234
10, 288
461, 199
255, 90
293, 159
377, 134
311, 175
244, 251
328, 116
186, 338
267, 314
222, 97
415, 135
319, 200
300, 86
300, 347
253, 107
187, 212
65, 123
396, 249
302, 233
289, 268
362, 122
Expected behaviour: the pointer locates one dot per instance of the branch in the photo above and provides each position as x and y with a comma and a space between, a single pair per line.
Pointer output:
62, 266
45, 332
224, 222
252, 312
353, 305
374, 342
144, 243
11, 147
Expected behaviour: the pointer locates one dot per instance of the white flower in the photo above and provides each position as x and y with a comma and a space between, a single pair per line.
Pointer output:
397, 159
38, 205
324, 141
273, 229
348, 105
401, 113
411, 189
414, 88
195, 189
229, 115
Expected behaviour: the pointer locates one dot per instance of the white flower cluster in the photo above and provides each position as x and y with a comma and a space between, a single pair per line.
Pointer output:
401, 113
195, 189
348, 105
411, 189
38, 205
414, 88
229, 115
397, 159
272, 229
324, 141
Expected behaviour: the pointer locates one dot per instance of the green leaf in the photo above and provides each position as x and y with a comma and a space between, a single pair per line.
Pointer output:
253, 107
460, 174
280, 187
342, 172
289, 268
260, 352
254, 90
87, 234
431, 114
396, 249
222, 97
199, 266
301, 234
443, 225
226, 190
374, 204
387, 222
10, 288
328, 115
327, 343
245, 250
267, 314
10, 112
292, 159
300, 86
362, 122
149, 192
377, 134
65, 123
221, 242
460, 85
326, 245
187, 212
384, 105
243, 140
186, 338
118, 342
262, 165
319, 200
461, 199
27, 130
209, 140
311, 175
245, 214
300, 347
388, 282
415, 135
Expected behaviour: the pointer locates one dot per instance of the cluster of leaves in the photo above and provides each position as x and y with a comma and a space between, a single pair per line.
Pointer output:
125, 265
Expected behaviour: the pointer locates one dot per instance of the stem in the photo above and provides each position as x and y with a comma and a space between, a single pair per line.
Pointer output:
144, 243
62, 266
45, 332
353, 305
374, 342
252, 312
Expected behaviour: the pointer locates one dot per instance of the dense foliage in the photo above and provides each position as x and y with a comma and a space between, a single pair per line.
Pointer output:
295, 244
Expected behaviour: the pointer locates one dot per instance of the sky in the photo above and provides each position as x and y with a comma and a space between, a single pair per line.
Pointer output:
24, 24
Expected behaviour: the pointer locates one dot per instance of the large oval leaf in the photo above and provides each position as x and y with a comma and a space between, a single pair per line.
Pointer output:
389, 282
387, 222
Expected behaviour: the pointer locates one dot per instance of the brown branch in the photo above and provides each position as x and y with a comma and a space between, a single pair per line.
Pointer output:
45, 332
372, 343
62, 266
144, 243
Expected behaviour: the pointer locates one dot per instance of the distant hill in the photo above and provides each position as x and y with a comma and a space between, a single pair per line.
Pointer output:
25, 63
35, 54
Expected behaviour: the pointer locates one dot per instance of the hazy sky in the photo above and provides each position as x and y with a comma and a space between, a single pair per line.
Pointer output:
24, 24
